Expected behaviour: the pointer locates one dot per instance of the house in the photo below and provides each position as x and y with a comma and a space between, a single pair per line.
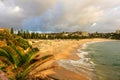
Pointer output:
85, 33
118, 31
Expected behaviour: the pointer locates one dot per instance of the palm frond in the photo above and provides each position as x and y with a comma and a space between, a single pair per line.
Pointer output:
17, 51
45, 69
3, 53
40, 62
26, 70
27, 58
5, 56
23, 63
12, 57
31, 70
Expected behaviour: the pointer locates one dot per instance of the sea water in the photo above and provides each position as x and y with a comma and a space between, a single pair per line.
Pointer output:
106, 57
98, 61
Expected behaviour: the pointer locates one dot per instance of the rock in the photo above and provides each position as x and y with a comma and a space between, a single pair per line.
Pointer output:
3, 76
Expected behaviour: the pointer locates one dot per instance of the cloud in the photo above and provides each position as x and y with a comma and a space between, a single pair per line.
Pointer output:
16, 9
61, 15
34, 7
13, 12
46, 21
68, 19
10, 14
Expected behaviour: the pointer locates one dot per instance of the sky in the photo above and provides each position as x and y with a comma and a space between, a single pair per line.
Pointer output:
61, 15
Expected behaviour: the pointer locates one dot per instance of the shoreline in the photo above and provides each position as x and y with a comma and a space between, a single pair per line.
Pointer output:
70, 53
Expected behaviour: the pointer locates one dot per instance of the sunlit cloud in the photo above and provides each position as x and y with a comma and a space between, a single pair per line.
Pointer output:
16, 9
61, 15
94, 24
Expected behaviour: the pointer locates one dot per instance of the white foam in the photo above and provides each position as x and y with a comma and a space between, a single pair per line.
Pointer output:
84, 46
82, 54
83, 65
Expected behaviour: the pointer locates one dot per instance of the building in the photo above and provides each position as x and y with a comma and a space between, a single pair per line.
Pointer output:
118, 31
85, 33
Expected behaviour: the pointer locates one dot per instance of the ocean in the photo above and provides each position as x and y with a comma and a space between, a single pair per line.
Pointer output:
98, 60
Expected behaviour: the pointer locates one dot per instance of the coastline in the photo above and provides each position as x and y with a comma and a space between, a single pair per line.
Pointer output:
65, 50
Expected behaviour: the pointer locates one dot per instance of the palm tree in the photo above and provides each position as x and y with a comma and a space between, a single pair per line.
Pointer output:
20, 64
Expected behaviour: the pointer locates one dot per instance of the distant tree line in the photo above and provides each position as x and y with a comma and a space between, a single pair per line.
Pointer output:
65, 35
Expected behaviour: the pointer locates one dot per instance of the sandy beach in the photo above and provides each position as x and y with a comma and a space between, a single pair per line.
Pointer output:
62, 49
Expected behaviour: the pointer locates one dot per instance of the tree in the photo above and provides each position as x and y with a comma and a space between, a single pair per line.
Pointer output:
24, 35
27, 34
19, 34
12, 31
33, 35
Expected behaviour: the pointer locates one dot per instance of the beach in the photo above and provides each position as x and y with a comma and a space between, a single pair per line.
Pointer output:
62, 50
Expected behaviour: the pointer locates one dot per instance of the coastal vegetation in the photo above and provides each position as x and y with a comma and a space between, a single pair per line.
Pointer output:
18, 58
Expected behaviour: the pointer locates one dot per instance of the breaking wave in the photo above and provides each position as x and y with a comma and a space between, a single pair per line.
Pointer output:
82, 66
